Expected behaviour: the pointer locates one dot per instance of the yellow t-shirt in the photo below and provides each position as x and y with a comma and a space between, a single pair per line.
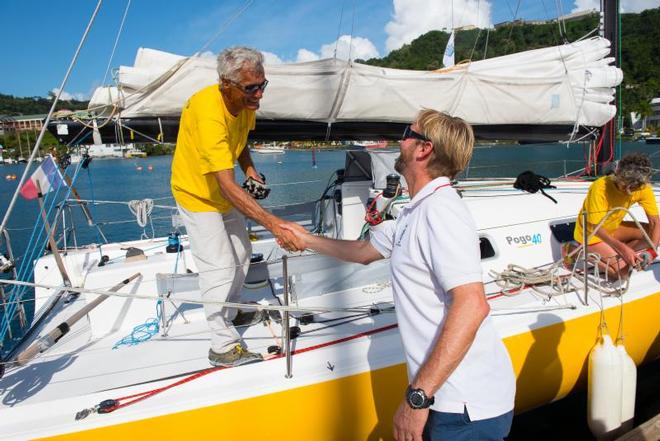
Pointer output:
210, 139
603, 195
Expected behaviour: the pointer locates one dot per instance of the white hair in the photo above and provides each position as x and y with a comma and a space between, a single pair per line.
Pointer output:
233, 59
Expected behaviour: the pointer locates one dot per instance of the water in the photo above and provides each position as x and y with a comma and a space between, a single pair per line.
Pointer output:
291, 176
120, 180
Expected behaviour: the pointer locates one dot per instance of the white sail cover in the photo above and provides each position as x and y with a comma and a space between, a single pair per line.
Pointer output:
567, 84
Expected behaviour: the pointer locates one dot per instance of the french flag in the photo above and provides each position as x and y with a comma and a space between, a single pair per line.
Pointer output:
46, 177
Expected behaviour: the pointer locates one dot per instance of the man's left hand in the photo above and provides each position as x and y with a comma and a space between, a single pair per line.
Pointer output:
287, 238
409, 423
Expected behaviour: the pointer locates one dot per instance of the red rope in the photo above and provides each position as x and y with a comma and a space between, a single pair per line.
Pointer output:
150, 393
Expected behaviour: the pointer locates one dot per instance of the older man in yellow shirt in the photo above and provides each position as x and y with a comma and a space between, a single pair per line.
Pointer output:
627, 186
213, 133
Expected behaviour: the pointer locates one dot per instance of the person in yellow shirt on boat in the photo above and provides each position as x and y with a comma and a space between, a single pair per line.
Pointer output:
213, 133
628, 185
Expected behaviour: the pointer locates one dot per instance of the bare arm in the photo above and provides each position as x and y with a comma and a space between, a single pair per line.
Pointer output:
627, 254
359, 251
245, 161
466, 313
244, 203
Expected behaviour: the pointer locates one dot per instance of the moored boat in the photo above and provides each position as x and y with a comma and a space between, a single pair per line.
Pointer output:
346, 358
327, 329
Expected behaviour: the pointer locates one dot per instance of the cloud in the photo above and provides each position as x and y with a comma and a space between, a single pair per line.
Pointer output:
304, 55
626, 5
358, 47
66, 96
271, 58
413, 18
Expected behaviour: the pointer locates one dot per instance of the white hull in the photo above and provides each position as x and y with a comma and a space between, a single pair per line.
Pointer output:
546, 338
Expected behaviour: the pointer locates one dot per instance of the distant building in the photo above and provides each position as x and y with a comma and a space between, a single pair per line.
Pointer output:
641, 124
654, 118
577, 15
568, 17
507, 23
22, 122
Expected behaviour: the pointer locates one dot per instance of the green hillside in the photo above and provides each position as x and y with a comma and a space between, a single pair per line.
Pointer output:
639, 54
34, 105
640, 50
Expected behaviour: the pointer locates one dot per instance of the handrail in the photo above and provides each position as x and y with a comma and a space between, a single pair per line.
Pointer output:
285, 319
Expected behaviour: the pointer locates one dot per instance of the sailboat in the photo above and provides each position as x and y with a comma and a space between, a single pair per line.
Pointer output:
334, 366
268, 148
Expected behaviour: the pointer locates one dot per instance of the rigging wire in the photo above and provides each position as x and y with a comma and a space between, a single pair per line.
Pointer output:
121, 28
547, 16
37, 144
18, 292
350, 42
486, 46
341, 16
560, 21
476, 40
226, 24
515, 16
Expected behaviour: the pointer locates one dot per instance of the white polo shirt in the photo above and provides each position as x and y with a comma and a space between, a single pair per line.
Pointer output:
434, 247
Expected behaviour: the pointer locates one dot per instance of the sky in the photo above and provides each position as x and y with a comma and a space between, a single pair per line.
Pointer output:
40, 37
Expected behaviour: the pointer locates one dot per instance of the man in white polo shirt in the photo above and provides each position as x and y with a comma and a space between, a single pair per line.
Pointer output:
462, 384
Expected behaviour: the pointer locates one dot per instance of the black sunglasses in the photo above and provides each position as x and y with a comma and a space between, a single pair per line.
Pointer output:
250, 89
408, 132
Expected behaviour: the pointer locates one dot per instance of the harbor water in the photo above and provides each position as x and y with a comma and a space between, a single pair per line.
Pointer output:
295, 179
292, 177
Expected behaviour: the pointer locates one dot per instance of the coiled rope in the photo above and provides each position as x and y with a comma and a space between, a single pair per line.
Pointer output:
142, 210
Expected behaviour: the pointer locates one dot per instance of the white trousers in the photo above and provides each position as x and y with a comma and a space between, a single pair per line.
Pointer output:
221, 248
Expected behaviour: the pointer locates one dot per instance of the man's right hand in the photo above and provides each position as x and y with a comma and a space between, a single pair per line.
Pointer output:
290, 236
628, 255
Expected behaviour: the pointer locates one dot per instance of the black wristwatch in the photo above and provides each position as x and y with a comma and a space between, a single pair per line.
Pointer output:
417, 399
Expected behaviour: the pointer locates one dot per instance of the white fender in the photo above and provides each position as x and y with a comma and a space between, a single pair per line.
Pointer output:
604, 389
628, 388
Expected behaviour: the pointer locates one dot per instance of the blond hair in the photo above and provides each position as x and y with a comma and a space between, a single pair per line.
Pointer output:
452, 139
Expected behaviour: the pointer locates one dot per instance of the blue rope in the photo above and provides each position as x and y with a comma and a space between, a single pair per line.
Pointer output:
149, 328
142, 332
26, 265
17, 294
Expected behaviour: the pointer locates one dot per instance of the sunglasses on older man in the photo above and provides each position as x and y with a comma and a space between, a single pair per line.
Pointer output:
250, 89
410, 133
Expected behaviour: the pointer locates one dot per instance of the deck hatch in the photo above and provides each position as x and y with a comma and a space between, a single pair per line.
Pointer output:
563, 232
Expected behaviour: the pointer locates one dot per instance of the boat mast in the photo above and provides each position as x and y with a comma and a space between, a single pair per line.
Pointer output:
609, 28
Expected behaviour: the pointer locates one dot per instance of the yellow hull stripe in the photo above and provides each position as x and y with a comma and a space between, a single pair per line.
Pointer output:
549, 362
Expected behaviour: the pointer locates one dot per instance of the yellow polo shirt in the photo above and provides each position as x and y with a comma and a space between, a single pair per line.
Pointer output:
210, 139
603, 195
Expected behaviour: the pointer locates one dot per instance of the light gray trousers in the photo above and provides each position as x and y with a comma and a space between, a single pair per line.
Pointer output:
221, 248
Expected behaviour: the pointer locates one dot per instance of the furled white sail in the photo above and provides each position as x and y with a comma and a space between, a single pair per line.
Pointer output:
567, 84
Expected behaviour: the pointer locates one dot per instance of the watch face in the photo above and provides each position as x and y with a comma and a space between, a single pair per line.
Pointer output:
416, 399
